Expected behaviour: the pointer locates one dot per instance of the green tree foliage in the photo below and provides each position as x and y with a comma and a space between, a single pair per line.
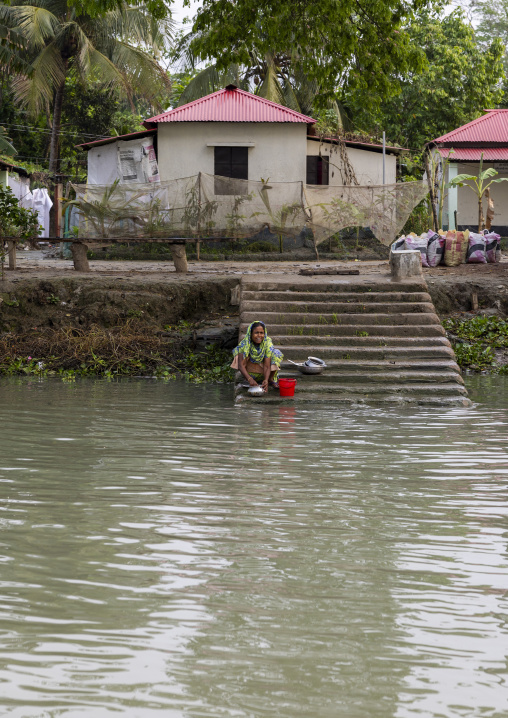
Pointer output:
15, 221
462, 78
358, 44
120, 46
493, 23
158, 9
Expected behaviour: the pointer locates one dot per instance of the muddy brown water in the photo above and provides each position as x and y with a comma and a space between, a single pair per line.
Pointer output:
163, 553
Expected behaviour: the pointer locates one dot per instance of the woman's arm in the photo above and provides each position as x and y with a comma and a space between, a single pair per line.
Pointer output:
242, 366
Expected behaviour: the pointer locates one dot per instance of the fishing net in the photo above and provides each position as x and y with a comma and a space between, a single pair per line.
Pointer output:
212, 206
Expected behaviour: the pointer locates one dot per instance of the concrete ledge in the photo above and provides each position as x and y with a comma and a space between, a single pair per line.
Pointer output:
405, 264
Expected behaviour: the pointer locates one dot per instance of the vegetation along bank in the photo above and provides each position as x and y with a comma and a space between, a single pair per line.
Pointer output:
137, 327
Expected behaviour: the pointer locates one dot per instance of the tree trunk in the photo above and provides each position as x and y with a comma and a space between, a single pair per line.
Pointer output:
480, 214
54, 146
431, 191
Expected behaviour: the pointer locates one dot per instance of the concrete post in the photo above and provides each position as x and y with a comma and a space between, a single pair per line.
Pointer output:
11, 251
452, 195
179, 257
405, 264
79, 257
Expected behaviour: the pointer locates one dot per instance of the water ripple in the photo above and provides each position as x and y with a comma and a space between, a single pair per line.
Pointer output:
164, 553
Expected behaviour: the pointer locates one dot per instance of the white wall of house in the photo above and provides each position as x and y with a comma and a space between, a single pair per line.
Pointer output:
368, 165
103, 164
277, 151
465, 202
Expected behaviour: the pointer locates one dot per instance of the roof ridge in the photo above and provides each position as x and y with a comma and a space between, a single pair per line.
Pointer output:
489, 117
175, 111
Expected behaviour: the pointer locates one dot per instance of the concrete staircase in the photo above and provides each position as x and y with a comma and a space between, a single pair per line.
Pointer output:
382, 340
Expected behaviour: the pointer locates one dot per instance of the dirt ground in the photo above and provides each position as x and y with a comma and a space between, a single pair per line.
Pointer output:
38, 265
465, 288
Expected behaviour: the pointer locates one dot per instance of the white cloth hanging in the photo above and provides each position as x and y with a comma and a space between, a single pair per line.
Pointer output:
42, 205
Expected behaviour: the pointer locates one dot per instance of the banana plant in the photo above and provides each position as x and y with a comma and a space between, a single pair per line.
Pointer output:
479, 185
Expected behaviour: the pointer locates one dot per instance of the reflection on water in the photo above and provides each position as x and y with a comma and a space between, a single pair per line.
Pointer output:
164, 553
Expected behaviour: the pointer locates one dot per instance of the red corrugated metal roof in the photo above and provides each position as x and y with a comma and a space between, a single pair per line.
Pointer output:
492, 127
230, 105
473, 154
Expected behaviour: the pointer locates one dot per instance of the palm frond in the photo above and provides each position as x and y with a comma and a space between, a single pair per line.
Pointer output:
145, 75
270, 88
12, 52
206, 82
36, 92
36, 24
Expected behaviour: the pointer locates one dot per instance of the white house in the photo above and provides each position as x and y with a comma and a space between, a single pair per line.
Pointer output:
233, 133
487, 136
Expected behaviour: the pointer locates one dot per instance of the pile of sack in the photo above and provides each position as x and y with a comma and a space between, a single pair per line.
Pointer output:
453, 248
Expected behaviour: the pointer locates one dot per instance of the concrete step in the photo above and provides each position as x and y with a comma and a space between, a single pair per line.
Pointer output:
451, 389
272, 318
345, 351
260, 308
334, 400
318, 284
376, 366
348, 297
349, 378
350, 330
309, 340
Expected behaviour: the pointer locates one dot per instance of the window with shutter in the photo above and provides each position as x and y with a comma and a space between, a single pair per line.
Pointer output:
318, 170
231, 162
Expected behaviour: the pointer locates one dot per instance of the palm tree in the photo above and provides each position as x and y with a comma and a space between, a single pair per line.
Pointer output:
12, 47
275, 76
120, 48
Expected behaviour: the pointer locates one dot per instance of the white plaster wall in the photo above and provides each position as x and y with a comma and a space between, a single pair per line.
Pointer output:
467, 204
368, 165
278, 154
102, 164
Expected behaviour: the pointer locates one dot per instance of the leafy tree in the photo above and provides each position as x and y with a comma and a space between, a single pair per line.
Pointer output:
358, 44
121, 46
15, 221
493, 23
461, 79
6, 146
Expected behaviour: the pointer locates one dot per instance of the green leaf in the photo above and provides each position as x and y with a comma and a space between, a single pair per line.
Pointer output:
461, 178
490, 172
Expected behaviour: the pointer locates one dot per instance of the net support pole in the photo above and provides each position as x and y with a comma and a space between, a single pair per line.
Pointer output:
384, 157
198, 240
305, 210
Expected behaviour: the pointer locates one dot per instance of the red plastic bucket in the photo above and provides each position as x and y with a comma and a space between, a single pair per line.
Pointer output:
287, 387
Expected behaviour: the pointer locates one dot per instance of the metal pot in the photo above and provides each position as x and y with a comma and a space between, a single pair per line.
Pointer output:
310, 368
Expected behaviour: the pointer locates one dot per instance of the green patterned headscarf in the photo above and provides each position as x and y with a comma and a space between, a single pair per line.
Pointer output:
255, 352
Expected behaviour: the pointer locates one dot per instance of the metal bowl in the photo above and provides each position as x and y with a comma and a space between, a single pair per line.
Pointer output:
256, 390
314, 361
312, 369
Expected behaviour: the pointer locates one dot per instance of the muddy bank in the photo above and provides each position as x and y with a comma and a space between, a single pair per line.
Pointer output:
118, 327
110, 302
142, 321
487, 294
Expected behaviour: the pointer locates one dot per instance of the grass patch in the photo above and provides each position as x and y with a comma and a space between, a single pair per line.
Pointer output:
129, 350
474, 341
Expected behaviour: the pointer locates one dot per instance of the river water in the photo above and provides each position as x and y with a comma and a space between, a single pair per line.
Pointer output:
163, 553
